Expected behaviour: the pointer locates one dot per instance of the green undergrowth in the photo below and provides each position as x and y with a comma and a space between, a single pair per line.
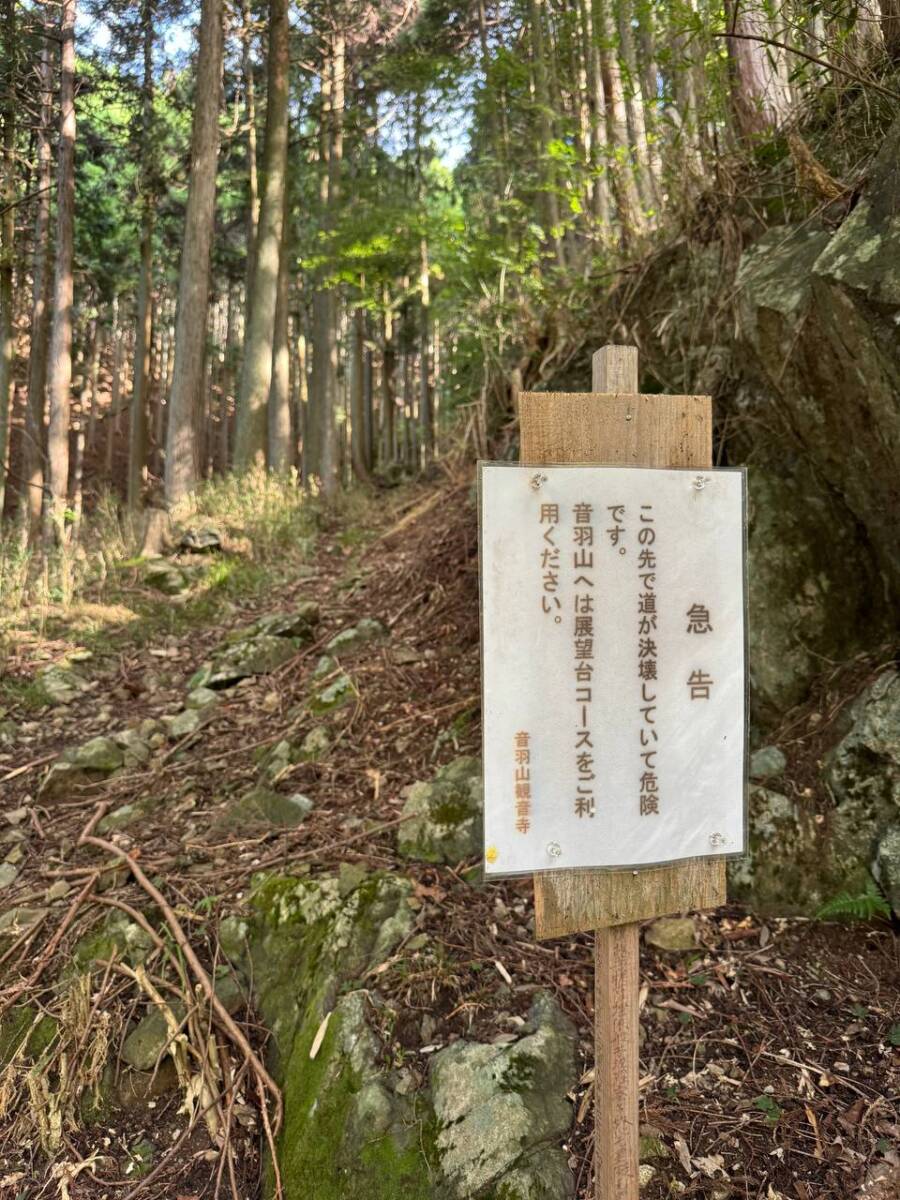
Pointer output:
92, 593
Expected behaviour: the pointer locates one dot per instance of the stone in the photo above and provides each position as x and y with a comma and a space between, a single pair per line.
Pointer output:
15, 921
805, 596
500, 1109
121, 817
147, 1042
672, 933
26, 1032
133, 745
767, 762
357, 1126
116, 937
100, 754
337, 694
887, 866
57, 891
62, 685
164, 577
779, 873
316, 744
863, 775
8, 874
348, 641
405, 655
200, 541
325, 665
202, 697
277, 759
262, 808
183, 724
443, 817
299, 622
94, 761
257, 655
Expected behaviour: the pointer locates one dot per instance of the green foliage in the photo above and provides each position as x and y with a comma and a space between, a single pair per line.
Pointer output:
867, 906
773, 1111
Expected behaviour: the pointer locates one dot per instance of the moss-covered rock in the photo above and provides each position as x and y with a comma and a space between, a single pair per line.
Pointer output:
443, 816
863, 774
251, 656
25, 1033
149, 1039
263, 809
97, 759
298, 622
349, 640
334, 695
116, 937
798, 858
355, 1127
501, 1111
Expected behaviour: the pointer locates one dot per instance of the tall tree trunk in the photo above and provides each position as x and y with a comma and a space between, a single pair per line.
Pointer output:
8, 40
330, 465
358, 456
619, 161
426, 411
545, 130
143, 342
252, 167
256, 369
193, 289
636, 107
280, 456
890, 29
388, 384
597, 105
60, 365
759, 97
33, 472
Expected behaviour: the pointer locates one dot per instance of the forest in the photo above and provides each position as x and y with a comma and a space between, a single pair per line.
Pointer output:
274, 277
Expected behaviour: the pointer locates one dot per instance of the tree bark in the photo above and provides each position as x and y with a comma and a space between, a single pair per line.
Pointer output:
34, 457
252, 168
759, 97
358, 456
545, 131
8, 34
60, 365
143, 342
280, 456
619, 162
193, 289
256, 369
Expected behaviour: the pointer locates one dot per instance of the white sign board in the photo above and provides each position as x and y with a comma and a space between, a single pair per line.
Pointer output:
613, 647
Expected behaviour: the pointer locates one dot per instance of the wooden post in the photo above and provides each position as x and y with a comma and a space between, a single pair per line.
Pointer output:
615, 425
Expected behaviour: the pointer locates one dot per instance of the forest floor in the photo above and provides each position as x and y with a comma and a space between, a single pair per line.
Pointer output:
769, 1061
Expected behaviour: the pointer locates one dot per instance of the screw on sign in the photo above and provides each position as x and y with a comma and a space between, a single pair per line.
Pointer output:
613, 634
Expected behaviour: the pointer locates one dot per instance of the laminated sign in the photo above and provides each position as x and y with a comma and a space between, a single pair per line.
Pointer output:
613, 659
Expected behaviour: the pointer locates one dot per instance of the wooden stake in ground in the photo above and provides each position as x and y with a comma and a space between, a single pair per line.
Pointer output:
614, 425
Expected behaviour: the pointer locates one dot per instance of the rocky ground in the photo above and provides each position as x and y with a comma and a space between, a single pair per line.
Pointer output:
241, 909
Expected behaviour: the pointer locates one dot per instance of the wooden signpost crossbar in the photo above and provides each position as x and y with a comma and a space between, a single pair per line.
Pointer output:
614, 425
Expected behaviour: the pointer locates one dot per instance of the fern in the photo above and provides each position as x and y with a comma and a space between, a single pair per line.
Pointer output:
865, 907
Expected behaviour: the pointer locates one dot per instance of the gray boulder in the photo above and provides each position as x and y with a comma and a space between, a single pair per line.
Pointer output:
348, 641
150, 1038
257, 655
263, 809
443, 817
336, 694
501, 1111
96, 760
